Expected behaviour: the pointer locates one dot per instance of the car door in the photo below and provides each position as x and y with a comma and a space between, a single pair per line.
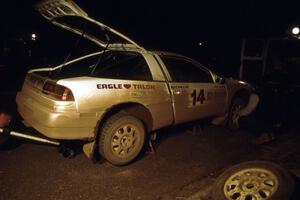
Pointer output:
195, 93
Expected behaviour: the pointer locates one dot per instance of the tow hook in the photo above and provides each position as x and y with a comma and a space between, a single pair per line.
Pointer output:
65, 151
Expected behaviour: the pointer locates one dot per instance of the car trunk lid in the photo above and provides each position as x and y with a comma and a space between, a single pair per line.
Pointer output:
68, 15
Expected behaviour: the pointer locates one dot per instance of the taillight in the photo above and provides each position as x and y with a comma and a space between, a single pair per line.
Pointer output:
59, 92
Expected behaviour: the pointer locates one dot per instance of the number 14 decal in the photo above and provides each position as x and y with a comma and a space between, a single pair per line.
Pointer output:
198, 97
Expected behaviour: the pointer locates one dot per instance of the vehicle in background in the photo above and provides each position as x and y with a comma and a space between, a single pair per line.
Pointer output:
272, 66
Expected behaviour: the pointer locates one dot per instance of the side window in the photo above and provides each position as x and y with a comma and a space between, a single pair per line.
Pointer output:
123, 65
182, 70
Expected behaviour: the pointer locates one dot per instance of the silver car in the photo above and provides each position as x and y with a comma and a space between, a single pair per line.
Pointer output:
114, 98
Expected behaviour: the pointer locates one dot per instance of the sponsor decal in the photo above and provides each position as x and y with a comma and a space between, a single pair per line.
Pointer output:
215, 94
125, 86
109, 86
179, 86
143, 87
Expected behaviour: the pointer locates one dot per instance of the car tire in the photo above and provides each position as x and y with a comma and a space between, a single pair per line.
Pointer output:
121, 139
234, 113
254, 180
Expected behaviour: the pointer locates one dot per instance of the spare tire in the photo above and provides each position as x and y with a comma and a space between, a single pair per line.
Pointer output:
254, 180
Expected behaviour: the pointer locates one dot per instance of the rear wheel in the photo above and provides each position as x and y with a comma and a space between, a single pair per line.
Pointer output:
234, 113
121, 139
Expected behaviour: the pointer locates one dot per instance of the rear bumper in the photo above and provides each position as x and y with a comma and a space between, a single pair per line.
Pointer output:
56, 122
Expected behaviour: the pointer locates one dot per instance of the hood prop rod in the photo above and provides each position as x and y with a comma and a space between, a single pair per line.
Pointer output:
102, 55
65, 151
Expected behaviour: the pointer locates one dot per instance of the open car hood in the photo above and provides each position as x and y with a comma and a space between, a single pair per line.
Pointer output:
68, 15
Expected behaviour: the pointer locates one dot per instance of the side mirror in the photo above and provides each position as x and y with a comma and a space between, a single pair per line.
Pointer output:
220, 80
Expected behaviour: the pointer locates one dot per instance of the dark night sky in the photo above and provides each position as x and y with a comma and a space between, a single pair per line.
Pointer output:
172, 25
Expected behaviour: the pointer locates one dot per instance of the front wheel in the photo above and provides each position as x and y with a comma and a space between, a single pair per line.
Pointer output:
234, 113
121, 139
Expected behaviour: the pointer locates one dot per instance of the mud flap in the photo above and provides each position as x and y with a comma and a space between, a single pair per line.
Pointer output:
88, 149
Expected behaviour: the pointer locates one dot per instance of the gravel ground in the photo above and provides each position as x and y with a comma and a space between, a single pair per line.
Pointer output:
185, 166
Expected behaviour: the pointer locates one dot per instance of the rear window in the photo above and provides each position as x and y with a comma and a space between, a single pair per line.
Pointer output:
112, 65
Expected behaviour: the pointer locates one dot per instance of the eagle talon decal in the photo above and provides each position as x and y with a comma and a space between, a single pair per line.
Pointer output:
109, 86
126, 86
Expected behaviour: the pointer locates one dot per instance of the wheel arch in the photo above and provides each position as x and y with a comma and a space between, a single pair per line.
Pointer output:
240, 99
244, 94
135, 109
